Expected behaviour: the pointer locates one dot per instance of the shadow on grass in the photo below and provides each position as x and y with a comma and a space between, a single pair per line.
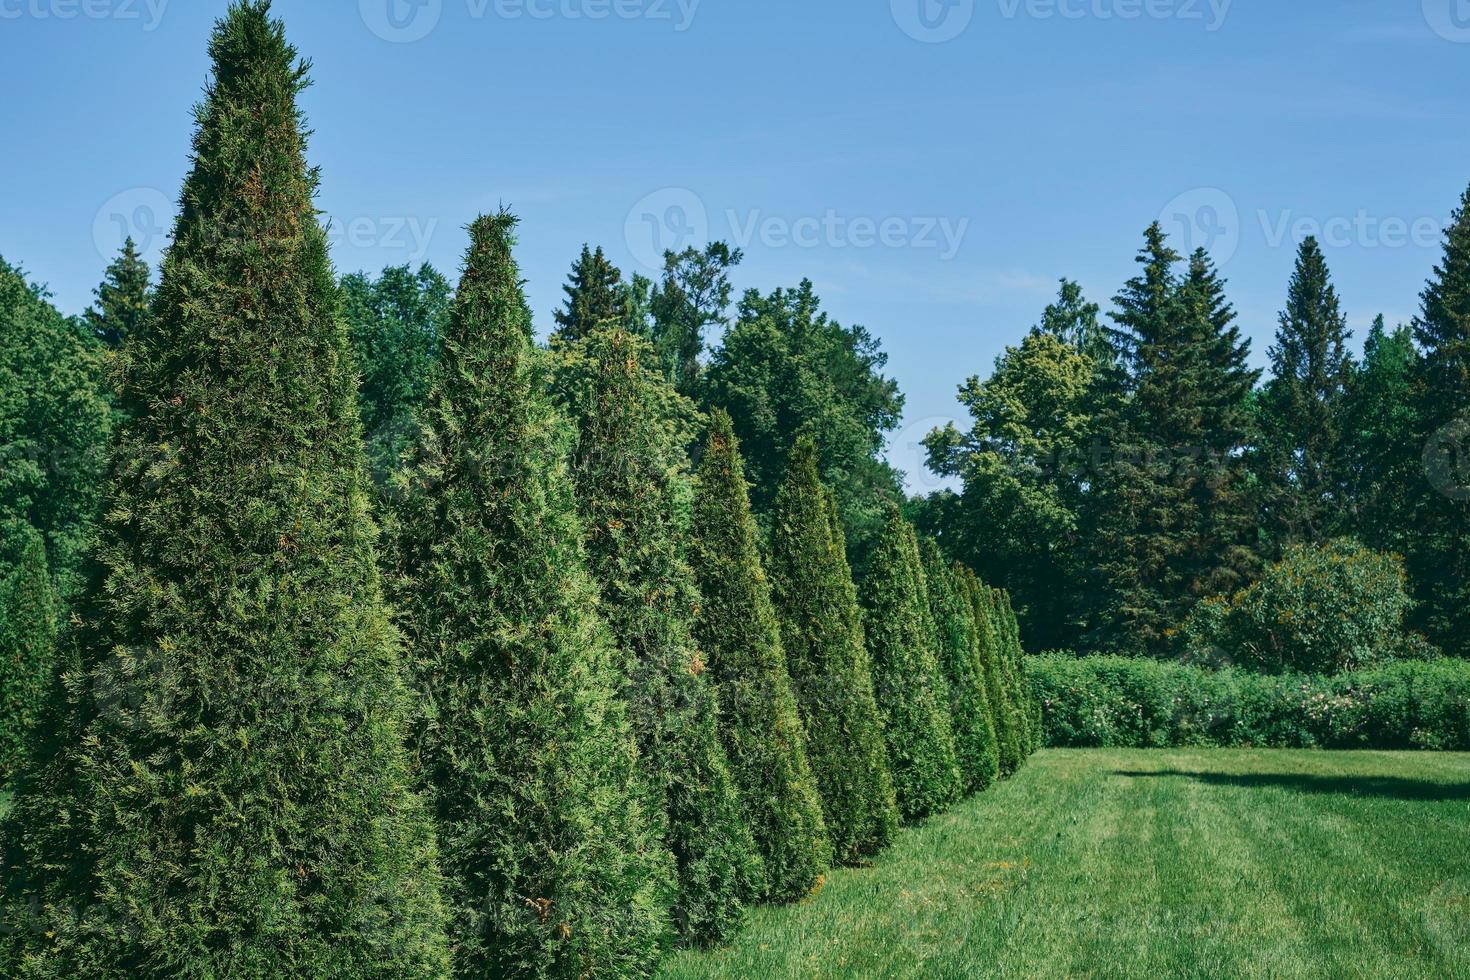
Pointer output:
1385, 787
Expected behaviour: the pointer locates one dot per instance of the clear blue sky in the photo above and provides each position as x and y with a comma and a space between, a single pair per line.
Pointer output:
933, 165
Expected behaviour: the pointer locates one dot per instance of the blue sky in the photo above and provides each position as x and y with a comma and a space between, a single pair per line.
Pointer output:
934, 166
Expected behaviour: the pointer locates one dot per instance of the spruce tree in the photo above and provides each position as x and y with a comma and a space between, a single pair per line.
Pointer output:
913, 699
227, 792
1172, 518
822, 631
123, 298
1311, 371
632, 485
738, 632
959, 659
595, 297
1439, 558
1380, 433
553, 864
28, 624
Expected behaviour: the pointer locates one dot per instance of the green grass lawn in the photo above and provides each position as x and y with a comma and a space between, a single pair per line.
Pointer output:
1153, 864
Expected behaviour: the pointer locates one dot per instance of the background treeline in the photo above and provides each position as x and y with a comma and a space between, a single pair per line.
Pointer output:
347, 632
1119, 470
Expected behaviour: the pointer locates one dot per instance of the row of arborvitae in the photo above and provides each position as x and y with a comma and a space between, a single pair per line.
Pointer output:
596, 727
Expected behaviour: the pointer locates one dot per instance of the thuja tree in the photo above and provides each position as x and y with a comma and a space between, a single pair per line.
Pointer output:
631, 485
988, 632
1010, 672
553, 863
738, 632
913, 698
229, 793
821, 629
28, 619
959, 660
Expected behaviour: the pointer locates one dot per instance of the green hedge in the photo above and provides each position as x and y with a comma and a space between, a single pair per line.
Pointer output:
1118, 702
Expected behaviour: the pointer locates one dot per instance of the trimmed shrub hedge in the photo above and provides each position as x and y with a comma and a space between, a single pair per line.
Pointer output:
1118, 702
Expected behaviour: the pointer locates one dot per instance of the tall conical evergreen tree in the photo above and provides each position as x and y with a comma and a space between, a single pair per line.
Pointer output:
1381, 432
913, 698
1439, 558
1172, 518
228, 792
123, 298
987, 626
553, 864
631, 486
28, 623
1304, 402
821, 629
959, 658
1012, 670
595, 297
741, 640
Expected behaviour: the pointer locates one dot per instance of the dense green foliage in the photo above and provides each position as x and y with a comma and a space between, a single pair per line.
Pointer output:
632, 488
1022, 465
990, 642
55, 424
595, 297
913, 696
1384, 468
553, 864
739, 635
786, 369
1439, 542
957, 641
822, 631
225, 790
1322, 609
395, 324
28, 625
1302, 441
1172, 516
1134, 865
1123, 702
123, 298
692, 296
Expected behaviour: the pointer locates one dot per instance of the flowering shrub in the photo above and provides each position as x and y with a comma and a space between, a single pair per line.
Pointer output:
1119, 702
1320, 610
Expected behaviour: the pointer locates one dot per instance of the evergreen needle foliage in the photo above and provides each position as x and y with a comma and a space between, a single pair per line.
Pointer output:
913, 698
959, 658
632, 484
741, 640
226, 791
28, 622
988, 632
822, 631
123, 298
553, 864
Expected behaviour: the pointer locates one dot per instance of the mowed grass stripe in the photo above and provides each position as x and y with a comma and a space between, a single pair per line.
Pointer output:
1184, 863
